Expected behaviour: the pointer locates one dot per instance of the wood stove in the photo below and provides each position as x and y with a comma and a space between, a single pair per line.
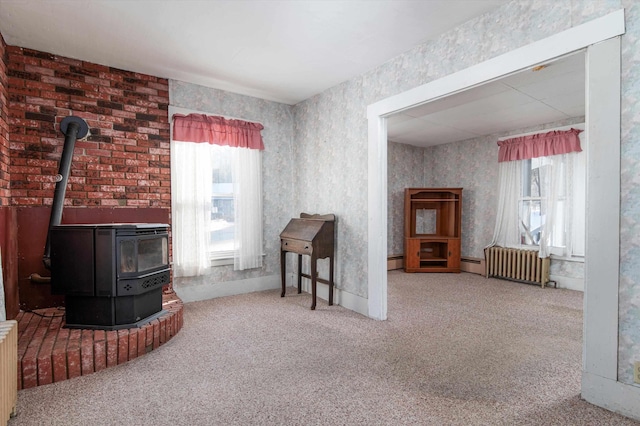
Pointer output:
111, 274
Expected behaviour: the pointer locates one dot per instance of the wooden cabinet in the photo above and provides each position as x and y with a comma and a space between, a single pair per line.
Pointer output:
432, 227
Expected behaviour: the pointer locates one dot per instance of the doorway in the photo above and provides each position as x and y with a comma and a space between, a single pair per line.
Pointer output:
600, 38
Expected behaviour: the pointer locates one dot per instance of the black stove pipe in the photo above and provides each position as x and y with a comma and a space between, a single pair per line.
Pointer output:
73, 128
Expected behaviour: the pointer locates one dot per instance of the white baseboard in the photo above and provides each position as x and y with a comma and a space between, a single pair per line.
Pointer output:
395, 261
204, 291
340, 297
569, 283
475, 265
614, 396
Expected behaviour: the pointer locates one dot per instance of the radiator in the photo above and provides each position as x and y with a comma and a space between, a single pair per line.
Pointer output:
8, 369
517, 265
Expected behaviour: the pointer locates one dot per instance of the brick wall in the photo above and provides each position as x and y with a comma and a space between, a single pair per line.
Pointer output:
125, 160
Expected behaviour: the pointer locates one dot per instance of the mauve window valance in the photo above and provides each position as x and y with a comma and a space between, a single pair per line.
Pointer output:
217, 130
539, 145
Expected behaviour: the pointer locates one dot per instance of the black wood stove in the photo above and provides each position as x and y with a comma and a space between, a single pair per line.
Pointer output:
111, 274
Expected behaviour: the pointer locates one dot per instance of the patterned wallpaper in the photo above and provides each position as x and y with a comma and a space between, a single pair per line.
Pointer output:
406, 169
629, 296
276, 167
330, 148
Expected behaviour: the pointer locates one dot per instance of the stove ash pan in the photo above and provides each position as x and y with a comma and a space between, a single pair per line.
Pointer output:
111, 274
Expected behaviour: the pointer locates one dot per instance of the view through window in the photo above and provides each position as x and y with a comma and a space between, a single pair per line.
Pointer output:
222, 226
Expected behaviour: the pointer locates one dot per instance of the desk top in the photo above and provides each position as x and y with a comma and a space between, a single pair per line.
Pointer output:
303, 229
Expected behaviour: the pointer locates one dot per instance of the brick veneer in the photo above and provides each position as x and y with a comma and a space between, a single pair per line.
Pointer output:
48, 353
124, 161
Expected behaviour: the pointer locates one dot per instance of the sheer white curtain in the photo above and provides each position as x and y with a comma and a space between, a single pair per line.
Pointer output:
247, 193
557, 204
507, 230
191, 193
191, 187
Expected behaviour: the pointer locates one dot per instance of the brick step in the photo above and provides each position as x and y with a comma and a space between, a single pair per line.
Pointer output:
48, 353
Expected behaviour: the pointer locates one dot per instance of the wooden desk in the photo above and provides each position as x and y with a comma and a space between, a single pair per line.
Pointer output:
311, 235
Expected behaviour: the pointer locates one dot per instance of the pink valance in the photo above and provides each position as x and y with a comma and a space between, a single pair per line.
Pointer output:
539, 145
217, 131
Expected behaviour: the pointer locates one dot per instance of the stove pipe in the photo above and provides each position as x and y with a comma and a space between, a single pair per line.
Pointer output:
73, 128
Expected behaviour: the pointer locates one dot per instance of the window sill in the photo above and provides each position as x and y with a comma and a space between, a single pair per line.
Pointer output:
224, 261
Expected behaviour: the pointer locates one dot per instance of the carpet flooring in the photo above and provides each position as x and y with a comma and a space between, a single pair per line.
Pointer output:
457, 349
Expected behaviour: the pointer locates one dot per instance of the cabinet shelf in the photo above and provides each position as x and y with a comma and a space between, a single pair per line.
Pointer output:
432, 229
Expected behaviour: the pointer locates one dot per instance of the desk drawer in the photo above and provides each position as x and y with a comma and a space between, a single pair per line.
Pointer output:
296, 246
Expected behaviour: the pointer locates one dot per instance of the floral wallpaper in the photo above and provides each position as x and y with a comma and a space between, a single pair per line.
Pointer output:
629, 295
328, 156
276, 167
330, 149
406, 169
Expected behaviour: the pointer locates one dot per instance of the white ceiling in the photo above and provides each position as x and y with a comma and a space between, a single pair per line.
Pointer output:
525, 99
285, 51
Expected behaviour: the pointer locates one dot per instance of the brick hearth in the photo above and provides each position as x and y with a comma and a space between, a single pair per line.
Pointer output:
48, 353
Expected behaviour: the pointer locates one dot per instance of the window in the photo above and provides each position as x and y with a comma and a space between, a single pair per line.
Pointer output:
216, 180
541, 192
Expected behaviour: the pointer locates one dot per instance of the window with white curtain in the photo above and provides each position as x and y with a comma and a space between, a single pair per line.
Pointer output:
216, 179
541, 202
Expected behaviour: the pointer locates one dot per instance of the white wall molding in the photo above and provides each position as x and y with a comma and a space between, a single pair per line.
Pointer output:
612, 395
603, 224
567, 283
340, 297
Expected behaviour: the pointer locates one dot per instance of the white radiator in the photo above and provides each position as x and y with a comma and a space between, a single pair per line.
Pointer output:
517, 265
8, 369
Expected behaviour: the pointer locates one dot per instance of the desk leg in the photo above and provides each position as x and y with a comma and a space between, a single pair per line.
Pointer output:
330, 280
283, 266
299, 273
314, 275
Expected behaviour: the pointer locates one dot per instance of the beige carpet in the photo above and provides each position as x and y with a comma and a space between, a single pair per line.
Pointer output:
458, 349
